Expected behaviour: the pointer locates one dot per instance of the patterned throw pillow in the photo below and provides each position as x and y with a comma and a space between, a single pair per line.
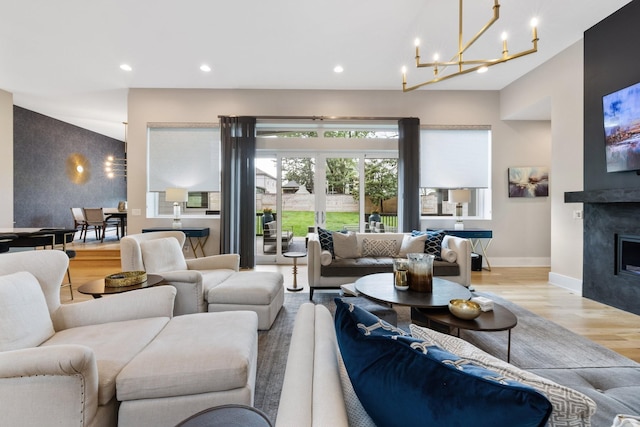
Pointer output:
401, 380
379, 248
570, 407
433, 244
326, 240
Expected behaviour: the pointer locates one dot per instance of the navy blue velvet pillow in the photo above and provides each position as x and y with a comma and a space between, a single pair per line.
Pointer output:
401, 381
433, 244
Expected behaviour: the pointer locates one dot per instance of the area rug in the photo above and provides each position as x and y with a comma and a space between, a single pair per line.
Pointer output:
535, 343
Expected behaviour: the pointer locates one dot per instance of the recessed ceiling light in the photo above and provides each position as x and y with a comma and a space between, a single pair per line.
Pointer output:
126, 67
205, 68
338, 69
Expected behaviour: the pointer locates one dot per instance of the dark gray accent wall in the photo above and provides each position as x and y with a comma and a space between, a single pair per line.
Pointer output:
43, 191
611, 199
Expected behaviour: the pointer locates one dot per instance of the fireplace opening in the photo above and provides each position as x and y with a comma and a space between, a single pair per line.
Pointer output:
628, 255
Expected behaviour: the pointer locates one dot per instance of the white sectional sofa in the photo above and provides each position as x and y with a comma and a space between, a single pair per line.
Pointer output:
115, 361
326, 271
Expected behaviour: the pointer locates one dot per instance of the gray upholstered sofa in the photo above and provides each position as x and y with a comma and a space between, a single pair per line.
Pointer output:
328, 271
120, 360
317, 390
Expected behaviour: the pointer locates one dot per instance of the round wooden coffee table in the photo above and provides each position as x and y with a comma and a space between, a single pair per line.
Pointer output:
97, 289
498, 319
380, 287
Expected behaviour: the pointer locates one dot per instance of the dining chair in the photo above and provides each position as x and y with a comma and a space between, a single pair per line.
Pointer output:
79, 221
95, 218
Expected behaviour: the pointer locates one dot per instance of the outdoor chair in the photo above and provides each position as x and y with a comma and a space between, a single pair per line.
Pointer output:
270, 237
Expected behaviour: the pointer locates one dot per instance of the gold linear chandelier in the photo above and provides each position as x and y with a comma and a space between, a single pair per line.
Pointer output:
464, 66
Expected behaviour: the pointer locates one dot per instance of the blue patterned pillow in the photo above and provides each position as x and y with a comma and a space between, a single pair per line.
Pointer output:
326, 240
433, 244
401, 380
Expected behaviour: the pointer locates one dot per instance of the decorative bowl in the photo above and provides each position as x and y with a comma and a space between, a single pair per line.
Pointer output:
126, 278
464, 309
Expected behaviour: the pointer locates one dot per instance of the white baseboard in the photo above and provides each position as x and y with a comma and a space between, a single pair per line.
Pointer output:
518, 262
569, 283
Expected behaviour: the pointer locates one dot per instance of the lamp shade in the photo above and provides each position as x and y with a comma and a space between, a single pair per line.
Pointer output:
176, 195
459, 196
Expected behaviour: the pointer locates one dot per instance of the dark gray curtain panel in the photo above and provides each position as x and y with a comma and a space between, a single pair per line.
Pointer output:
238, 210
409, 172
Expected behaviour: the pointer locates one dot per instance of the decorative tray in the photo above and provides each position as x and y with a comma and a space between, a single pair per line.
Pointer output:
125, 278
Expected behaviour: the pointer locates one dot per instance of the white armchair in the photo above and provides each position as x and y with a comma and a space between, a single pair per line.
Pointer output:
211, 283
55, 365
160, 253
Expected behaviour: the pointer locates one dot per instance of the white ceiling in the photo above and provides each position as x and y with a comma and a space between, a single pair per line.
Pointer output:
62, 58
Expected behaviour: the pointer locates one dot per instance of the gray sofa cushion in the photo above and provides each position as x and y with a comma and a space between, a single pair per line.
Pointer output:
372, 265
616, 390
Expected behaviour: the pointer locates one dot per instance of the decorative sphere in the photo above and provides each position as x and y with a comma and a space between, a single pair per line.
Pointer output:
464, 309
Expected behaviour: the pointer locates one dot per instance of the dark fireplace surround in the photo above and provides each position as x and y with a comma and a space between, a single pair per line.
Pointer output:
608, 214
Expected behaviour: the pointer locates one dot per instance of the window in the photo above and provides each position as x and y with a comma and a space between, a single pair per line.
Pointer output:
183, 156
454, 158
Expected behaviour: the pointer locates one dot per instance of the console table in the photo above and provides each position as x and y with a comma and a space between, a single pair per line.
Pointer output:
197, 236
479, 237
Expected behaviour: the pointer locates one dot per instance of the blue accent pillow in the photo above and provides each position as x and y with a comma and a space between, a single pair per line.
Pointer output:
403, 381
326, 240
433, 244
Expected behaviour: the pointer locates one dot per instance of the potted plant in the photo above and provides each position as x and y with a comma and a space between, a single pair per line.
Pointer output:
267, 215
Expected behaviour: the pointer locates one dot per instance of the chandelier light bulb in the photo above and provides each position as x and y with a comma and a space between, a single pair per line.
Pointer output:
79, 168
126, 67
205, 68
436, 57
338, 69
534, 22
504, 35
483, 70
416, 42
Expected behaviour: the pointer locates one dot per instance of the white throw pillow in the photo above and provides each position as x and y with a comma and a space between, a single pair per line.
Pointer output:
449, 255
162, 255
412, 244
379, 248
345, 245
325, 257
569, 405
25, 320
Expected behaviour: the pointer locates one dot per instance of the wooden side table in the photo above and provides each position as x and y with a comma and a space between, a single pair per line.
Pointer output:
97, 289
498, 319
295, 256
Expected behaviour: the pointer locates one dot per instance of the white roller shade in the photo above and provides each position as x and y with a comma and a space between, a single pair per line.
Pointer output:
455, 158
185, 158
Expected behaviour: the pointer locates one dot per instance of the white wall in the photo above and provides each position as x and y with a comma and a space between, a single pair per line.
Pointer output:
521, 228
558, 83
6, 164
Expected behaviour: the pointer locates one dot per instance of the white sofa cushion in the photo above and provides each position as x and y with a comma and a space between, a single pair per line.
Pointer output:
345, 245
24, 313
162, 255
114, 344
412, 244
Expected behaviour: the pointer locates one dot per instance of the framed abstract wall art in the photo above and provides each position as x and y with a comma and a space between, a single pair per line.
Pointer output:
530, 181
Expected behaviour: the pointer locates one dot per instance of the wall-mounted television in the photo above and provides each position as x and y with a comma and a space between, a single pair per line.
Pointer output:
621, 112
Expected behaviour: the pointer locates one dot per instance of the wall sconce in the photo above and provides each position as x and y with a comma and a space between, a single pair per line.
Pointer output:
77, 168
459, 197
177, 196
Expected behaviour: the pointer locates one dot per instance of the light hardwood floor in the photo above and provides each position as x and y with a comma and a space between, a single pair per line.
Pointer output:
527, 286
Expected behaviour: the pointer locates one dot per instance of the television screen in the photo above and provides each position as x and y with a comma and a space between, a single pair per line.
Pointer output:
622, 129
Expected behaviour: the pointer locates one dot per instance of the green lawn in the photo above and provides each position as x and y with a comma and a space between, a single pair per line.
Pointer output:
301, 220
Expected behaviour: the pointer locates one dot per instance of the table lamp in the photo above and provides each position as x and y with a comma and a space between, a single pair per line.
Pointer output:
177, 196
459, 197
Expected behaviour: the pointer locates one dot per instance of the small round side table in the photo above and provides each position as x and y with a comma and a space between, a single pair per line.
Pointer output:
295, 256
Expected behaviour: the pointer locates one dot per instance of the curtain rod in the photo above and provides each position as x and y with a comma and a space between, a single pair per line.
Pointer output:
320, 118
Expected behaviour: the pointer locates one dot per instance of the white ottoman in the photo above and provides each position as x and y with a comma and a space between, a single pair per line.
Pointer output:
197, 361
259, 291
